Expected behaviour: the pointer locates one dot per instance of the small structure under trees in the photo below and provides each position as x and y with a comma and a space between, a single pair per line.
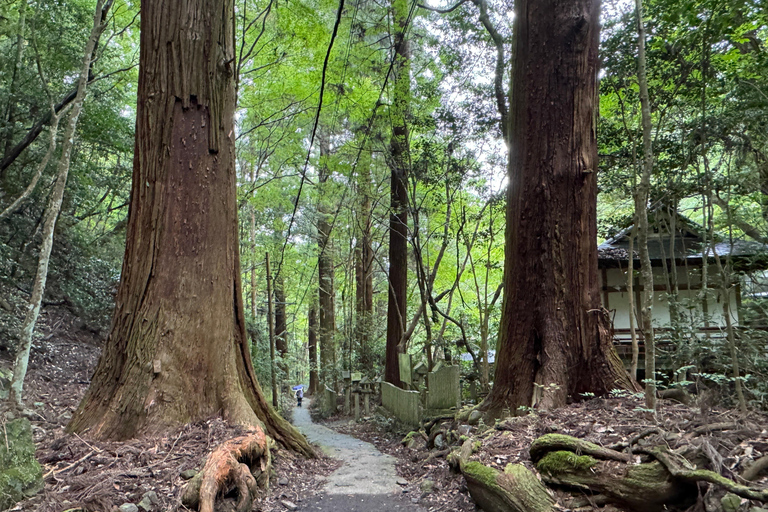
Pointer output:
680, 304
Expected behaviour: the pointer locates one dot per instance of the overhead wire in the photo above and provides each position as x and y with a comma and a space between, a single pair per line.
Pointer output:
314, 131
361, 148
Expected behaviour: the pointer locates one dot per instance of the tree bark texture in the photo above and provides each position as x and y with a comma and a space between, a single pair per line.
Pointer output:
326, 295
364, 268
271, 331
314, 379
554, 339
399, 164
10, 116
177, 349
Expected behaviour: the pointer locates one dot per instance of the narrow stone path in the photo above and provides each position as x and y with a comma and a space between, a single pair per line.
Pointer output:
367, 480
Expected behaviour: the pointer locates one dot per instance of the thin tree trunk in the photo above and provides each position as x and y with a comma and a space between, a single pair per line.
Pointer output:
10, 118
325, 271
254, 309
53, 209
631, 298
314, 379
725, 289
271, 328
14, 206
397, 306
363, 266
641, 210
281, 332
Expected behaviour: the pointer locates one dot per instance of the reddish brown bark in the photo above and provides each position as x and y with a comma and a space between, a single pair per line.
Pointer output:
397, 306
553, 338
326, 292
177, 350
363, 270
281, 332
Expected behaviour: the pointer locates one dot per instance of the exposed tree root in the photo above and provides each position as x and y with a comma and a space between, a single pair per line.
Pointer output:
514, 490
666, 481
720, 427
680, 468
757, 467
637, 438
557, 442
240, 465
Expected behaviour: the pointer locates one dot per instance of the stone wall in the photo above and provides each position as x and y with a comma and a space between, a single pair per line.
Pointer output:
329, 402
443, 388
405, 405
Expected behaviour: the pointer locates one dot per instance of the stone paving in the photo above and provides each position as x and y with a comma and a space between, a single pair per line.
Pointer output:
367, 480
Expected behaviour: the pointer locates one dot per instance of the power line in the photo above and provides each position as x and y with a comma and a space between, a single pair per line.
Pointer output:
360, 149
314, 130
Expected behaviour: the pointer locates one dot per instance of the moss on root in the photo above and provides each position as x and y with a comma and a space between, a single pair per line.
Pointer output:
514, 490
555, 463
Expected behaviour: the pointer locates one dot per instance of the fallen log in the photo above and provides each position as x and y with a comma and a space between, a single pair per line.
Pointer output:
240, 466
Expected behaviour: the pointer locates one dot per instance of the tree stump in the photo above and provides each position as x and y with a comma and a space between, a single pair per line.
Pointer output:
240, 466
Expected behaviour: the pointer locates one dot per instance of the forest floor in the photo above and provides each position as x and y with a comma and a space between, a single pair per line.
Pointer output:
101, 476
730, 440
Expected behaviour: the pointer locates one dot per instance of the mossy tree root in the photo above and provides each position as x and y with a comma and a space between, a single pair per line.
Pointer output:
679, 468
641, 487
514, 490
558, 442
668, 481
240, 464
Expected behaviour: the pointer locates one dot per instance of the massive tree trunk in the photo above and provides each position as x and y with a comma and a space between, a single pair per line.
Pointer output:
325, 277
398, 216
177, 349
554, 339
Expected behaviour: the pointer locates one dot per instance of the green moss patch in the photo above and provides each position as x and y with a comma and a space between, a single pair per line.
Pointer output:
20, 474
481, 473
556, 463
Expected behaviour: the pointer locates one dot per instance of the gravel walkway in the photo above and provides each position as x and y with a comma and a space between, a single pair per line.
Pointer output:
367, 480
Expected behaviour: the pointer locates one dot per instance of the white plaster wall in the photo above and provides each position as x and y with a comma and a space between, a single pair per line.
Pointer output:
691, 305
